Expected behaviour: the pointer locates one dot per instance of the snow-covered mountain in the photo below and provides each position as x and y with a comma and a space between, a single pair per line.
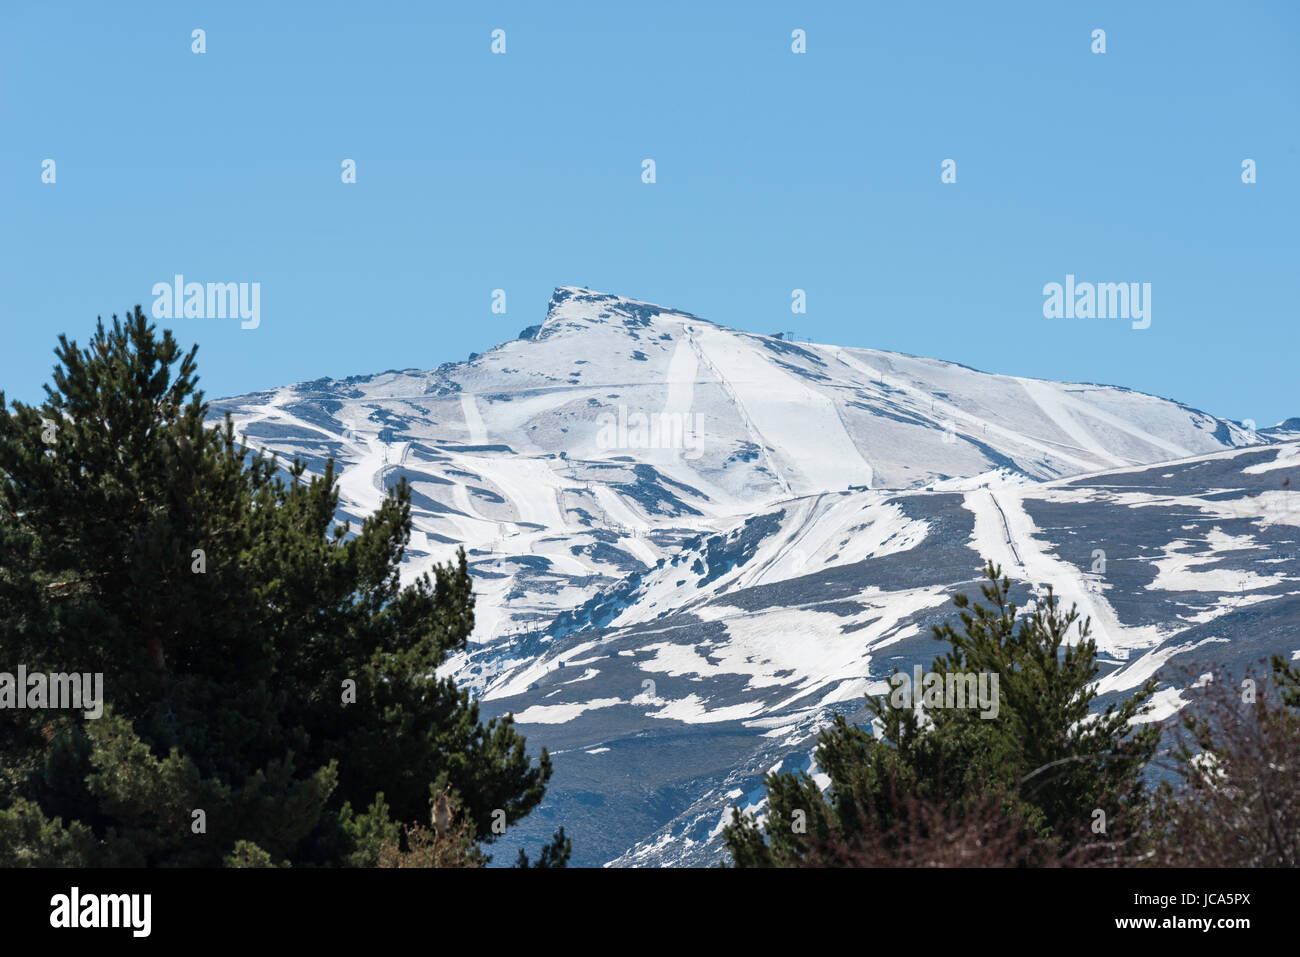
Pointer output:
692, 544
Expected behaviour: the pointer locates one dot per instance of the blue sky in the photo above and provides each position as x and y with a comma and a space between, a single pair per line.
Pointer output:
775, 171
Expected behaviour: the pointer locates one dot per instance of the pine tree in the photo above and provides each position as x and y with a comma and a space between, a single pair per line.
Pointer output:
261, 665
1044, 766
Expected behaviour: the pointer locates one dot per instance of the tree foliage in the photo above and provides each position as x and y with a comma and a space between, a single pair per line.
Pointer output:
229, 615
1233, 798
1029, 781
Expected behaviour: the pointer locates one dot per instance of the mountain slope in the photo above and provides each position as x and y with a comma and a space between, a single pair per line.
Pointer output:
691, 544
603, 439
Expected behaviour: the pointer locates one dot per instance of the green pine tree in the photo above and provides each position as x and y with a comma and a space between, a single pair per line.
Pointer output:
261, 665
1042, 767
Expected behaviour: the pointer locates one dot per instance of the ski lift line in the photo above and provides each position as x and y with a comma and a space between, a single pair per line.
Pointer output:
1006, 528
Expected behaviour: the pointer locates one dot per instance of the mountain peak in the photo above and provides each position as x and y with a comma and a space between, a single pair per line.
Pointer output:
580, 307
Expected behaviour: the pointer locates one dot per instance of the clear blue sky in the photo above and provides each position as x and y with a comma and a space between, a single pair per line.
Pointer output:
775, 171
